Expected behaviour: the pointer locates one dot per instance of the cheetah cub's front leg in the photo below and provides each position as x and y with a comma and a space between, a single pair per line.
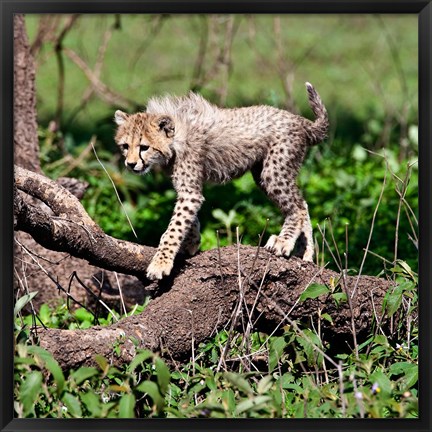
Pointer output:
160, 266
183, 227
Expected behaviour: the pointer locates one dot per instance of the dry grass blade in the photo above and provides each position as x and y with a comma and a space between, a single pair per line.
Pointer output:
121, 294
370, 234
325, 242
114, 187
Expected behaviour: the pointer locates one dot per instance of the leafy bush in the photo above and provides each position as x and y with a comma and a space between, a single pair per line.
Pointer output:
42, 390
294, 374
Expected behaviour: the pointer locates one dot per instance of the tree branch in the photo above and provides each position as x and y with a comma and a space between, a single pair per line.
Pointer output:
104, 92
71, 229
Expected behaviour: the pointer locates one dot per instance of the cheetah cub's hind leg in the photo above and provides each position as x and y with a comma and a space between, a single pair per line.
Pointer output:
296, 223
307, 231
280, 186
192, 241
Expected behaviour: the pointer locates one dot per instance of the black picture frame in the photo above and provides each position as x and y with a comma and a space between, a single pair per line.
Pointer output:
422, 8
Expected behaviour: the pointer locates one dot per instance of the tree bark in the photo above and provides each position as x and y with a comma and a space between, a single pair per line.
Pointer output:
34, 265
70, 229
25, 124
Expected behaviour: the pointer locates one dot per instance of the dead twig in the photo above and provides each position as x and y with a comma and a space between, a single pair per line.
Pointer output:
103, 91
58, 49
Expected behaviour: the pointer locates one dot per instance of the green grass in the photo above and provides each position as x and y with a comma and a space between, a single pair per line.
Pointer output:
348, 58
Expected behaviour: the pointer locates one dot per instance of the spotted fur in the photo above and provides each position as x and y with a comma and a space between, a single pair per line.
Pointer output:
200, 142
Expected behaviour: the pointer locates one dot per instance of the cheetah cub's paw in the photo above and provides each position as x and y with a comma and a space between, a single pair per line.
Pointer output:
283, 247
279, 246
308, 255
159, 267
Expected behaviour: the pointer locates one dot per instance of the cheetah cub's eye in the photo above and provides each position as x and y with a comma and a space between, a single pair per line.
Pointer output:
144, 147
124, 147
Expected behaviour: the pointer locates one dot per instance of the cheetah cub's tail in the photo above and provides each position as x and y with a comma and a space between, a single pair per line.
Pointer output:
317, 131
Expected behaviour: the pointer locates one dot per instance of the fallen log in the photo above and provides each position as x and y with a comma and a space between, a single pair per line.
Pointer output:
240, 287
206, 294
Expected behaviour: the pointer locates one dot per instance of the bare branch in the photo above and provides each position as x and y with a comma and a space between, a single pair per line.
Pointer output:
70, 229
104, 92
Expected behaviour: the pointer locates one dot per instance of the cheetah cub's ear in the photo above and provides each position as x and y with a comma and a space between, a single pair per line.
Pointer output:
166, 124
120, 117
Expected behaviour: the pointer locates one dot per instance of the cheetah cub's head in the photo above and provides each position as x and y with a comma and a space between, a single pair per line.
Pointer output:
144, 139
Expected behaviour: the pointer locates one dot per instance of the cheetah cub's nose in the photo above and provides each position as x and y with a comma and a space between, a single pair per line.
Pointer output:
131, 164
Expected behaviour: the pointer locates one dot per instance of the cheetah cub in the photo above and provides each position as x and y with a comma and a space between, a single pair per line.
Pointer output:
200, 142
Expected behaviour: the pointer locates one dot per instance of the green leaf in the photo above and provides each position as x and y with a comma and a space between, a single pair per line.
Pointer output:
163, 375
210, 382
82, 315
93, 403
152, 390
252, 404
361, 346
327, 317
339, 298
72, 404
383, 381
117, 388
51, 364
299, 358
239, 382
295, 387
381, 340
394, 299
400, 368
276, 349
278, 401
22, 301
45, 313
29, 391
407, 269
102, 363
410, 378
83, 373
25, 361
228, 400
409, 372
309, 341
313, 291
285, 379
140, 358
126, 406
265, 384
